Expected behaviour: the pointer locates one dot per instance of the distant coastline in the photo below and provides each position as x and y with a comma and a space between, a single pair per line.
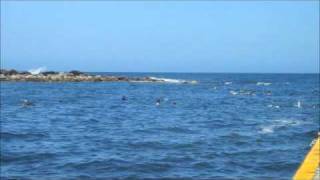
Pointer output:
71, 76
75, 76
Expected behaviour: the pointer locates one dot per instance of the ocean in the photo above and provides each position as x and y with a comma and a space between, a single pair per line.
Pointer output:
226, 126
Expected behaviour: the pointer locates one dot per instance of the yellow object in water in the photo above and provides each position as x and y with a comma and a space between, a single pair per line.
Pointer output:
311, 164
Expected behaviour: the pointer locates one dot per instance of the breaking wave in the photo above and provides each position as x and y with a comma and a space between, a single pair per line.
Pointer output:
263, 83
276, 124
233, 92
37, 70
242, 92
273, 106
167, 80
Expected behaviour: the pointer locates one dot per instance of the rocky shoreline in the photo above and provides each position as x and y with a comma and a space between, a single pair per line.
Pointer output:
72, 76
77, 76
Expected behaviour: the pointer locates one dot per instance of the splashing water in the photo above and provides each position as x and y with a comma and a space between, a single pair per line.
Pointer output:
167, 80
37, 70
298, 105
263, 83
276, 124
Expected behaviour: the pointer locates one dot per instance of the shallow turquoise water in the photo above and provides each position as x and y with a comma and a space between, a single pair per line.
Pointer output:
228, 126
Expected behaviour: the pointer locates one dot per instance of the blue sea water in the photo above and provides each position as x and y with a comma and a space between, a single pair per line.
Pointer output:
227, 126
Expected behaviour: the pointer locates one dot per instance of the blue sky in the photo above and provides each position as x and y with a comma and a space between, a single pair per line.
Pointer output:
161, 36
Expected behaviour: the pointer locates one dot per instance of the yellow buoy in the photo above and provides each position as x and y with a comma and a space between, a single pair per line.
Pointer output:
308, 169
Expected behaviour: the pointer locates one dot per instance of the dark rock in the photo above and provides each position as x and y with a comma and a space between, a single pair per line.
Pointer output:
13, 72
148, 79
123, 79
25, 73
49, 73
135, 79
9, 72
3, 71
97, 79
76, 73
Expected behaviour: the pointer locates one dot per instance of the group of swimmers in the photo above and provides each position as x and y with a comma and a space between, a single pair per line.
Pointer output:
26, 102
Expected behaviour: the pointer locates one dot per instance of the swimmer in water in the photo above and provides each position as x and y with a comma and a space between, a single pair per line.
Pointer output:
158, 102
124, 98
174, 103
26, 102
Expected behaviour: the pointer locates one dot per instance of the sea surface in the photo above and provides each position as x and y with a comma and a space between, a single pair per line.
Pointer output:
227, 126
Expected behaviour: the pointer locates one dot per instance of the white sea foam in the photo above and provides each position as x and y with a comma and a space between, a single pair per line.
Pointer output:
273, 106
247, 92
263, 83
288, 122
298, 105
228, 83
242, 92
233, 92
267, 129
276, 124
37, 70
167, 80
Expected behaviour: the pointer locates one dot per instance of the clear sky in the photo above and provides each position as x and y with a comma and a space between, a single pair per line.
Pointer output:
161, 36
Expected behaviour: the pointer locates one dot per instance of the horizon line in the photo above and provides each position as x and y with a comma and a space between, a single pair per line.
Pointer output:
190, 72
176, 72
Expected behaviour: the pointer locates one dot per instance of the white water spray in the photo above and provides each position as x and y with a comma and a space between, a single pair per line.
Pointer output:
37, 70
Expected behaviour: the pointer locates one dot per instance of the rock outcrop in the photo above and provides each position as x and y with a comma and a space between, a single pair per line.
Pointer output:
72, 76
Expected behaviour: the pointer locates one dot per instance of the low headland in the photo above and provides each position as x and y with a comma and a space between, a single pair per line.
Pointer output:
72, 76
54, 76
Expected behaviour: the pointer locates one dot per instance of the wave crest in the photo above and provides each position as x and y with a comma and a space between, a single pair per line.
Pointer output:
37, 70
276, 124
167, 80
263, 84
